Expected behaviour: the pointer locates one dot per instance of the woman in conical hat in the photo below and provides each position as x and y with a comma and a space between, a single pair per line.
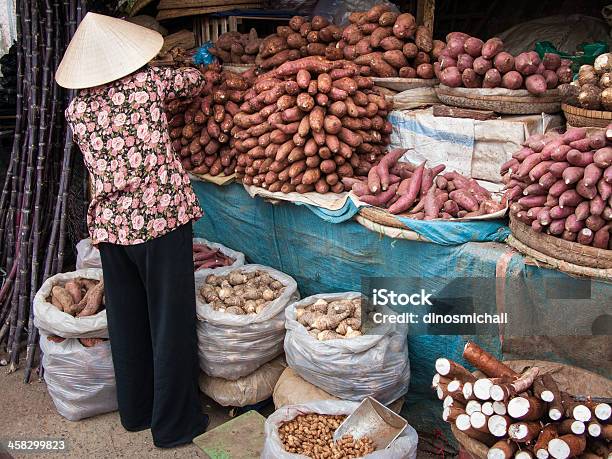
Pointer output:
140, 217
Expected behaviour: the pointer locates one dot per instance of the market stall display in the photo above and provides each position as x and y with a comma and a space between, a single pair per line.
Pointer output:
235, 340
588, 99
201, 128
530, 410
424, 193
348, 365
562, 184
307, 124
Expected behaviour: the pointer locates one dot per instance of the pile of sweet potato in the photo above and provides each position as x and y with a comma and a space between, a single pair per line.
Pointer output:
79, 297
388, 44
205, 257
300, 38
85, 342
200, 128
421, 192
236, 47
309, 123
470, 62
562, 185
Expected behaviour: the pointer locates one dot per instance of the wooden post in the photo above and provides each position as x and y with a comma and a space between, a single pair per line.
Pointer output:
425, 13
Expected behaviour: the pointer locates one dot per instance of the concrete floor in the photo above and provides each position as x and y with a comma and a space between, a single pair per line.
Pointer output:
28, 413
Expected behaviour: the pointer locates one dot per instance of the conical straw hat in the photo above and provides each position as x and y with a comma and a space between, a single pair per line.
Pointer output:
105, 49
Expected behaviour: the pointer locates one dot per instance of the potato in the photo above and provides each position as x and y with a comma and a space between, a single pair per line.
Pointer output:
551, 78
454, 47
451, 77
437, 48
535, 84
405, 26
471, 79
473, 46
492, 79
296, 41
512, 80
551, 61
527, 63
446, 61
504, 62
492, 47
407, 72
425, 71
421, 58
319, 22
464, 61
482, 65
396, 58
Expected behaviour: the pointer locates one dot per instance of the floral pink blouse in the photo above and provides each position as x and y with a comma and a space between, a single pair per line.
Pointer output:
140, 189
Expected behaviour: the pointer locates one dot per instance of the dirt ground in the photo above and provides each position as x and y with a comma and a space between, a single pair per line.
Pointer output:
28, 413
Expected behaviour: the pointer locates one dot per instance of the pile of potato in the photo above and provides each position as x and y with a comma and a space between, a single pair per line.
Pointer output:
337, 319
593, 88
200, 128
85, 342
205, 257
312, 435
562, 185
468, 61
236, 47
389, 44
423, 192
300, 38
241, 292
309, 123
79, 297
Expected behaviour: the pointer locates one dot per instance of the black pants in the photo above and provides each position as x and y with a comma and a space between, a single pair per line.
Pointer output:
150, 302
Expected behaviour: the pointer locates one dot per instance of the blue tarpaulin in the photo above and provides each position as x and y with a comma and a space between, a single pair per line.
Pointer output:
324, 257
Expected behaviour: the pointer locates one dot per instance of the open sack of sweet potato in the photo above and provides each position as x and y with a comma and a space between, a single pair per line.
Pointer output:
421, 192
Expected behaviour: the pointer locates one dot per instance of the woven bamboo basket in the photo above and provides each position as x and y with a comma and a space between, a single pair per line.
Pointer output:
404, 84
520, 102
572, 379
581, 117
564, 255
382, 217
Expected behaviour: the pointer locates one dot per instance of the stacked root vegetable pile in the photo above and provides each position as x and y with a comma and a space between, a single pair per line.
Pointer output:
300, 38
85, 342
237, 48
388, 44
562, 185
424, 193
205, 257
593, 88
520, 415
470, 62
307, 124
311, 435
200, 128
79, 297
241, 292
337, 319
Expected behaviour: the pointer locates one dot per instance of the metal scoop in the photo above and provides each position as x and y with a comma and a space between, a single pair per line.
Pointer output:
373, 420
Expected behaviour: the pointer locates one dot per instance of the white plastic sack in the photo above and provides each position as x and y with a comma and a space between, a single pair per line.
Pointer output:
237, 256
404, 447
88, 256
232, 346
80, 380
374, 365
248, 390
52, 321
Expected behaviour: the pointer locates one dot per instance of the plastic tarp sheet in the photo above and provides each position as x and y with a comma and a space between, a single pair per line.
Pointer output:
453, 233
326, 258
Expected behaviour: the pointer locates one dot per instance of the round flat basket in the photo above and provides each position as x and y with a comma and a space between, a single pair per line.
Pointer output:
570, 379
382, 217
580, 117
237, 67
403, 84
511, 102
557, 253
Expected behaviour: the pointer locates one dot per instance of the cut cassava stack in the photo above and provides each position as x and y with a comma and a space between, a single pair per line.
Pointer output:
515, 415
200, 127
468, 61
389, 44
307, 124
301, 38
425, 193
562, 185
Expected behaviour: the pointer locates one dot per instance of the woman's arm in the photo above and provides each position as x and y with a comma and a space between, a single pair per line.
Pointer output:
178, 83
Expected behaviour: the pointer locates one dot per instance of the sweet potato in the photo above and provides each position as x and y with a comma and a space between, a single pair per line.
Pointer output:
482, 65
527, 63
536, 84
471, 79
408, 72
464, 61
405, 26
272, 45
492, 47
451, 77
473, 46
454, 47
423, 39
504, 62
512, 79
492, 79
424, 71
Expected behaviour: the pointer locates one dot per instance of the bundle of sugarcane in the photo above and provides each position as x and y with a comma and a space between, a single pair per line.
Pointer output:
521, 415
40, 177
